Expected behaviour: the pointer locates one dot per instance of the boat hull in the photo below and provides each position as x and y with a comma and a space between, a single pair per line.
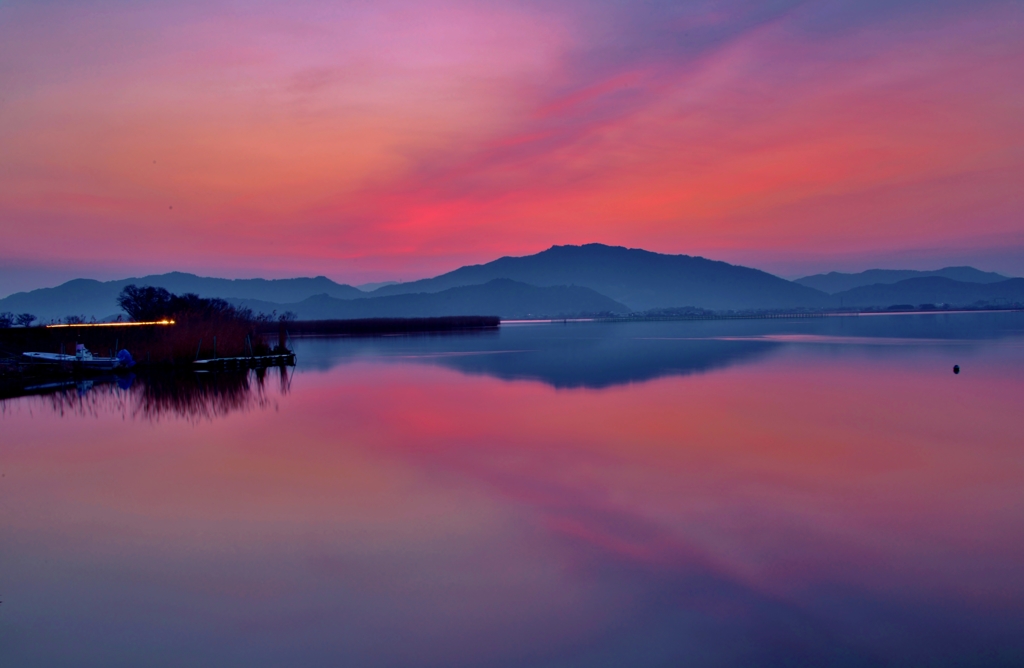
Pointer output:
102, 363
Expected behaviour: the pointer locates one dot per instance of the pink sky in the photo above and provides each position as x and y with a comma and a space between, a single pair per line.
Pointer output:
395, 140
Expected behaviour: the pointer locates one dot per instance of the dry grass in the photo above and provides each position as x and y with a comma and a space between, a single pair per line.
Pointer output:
164, 345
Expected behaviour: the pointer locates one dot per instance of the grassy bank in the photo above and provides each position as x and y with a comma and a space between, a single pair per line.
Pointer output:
168, 345
163, 348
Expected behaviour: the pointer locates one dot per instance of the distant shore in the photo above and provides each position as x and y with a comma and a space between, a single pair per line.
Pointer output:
382, 326
755, 315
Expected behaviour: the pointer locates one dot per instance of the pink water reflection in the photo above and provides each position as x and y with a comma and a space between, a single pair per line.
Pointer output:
811, 506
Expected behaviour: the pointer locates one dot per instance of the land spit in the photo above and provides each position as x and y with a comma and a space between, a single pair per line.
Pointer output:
196, 344
384, 326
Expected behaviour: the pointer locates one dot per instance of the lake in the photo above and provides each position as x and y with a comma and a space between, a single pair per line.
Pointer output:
816, 492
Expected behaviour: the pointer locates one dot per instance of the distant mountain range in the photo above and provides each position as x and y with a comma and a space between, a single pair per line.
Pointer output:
558, 282
934, 290
370, 287
502, 297
84, 296
639, 279
834, 282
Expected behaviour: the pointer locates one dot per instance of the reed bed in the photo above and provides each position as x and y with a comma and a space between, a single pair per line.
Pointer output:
161, 345
169, 394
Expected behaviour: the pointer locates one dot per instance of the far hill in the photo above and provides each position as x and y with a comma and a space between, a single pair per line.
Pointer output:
637, 278
934, 290
370, 287
835, 281
98, 299
501, 297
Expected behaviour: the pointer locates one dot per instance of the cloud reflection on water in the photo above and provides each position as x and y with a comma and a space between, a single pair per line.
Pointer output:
843, 504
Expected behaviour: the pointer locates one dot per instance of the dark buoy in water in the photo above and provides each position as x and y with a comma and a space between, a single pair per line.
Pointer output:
956, 368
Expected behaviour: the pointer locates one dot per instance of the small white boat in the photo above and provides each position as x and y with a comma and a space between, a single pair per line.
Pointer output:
82, 358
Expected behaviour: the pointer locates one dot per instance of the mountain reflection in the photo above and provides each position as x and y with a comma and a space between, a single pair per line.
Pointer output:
596, 357
600, 364
599, 355
193, 397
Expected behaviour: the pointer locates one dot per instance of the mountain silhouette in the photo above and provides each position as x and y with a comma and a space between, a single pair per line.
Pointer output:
835, 281
637, 278
83, 296
561, 281
501, 297
934, 290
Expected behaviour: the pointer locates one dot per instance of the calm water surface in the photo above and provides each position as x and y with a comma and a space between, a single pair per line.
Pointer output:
763, 493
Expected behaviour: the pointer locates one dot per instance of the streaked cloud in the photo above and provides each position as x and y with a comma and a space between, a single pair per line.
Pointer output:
396, 139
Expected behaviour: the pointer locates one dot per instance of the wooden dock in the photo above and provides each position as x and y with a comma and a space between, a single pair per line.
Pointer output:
247, 362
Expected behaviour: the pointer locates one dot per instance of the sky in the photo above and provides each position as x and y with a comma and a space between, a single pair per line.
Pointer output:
392, 140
